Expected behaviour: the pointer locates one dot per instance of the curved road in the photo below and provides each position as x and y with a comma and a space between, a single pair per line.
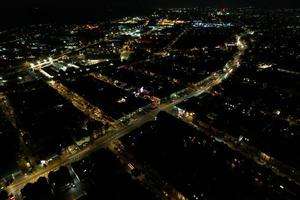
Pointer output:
142, 118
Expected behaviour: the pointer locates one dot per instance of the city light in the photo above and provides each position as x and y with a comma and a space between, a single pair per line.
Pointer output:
169, 104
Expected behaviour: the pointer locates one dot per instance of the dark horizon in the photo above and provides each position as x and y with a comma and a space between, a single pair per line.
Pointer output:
128, 4
13, 14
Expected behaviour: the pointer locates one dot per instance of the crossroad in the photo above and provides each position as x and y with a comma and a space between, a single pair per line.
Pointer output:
137, 121
141, 118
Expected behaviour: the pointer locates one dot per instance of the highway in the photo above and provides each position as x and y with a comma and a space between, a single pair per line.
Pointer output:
139, 119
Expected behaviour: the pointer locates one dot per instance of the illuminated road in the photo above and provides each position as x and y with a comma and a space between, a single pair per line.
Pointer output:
53, 58
176, 39
10, 114
80, 103
137, 121
148, 177
244, 149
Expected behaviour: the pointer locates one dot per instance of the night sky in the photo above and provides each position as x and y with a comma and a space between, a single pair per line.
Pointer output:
164, 3
19, 12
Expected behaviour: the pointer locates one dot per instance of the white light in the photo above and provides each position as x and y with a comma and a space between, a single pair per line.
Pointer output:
278, 112
281, 186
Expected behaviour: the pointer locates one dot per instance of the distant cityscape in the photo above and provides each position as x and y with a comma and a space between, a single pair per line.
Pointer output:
183, 103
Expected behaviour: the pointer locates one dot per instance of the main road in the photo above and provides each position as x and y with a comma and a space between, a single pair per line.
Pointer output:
137, 121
